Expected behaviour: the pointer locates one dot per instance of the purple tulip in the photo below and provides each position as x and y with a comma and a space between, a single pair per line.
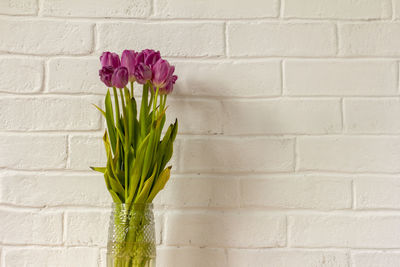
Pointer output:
143, 73
105, 74
109, 59
169, 87
162, 73
120, 77
148, 57
128, 60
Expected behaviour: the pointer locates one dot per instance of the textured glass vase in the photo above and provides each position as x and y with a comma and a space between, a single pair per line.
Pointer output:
131, 236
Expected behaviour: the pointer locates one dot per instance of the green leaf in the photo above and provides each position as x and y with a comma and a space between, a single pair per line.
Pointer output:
102, 111
115, 197
110, 121
142, 196
160, 183
99, 169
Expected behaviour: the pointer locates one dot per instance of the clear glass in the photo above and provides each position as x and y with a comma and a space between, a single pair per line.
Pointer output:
131, 236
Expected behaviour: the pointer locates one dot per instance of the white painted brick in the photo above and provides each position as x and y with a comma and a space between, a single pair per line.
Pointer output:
281, 39
86, 151
53, 189
193, 257
18, 7
237, 154
340, 77
171, 38
87, 228
201, 192
337, 9
103, 258
376, 259
396, 9
372, 115
369, 39
373, 192
216, 9
28, 227
29, 37
49, 113
21, 151
288, 116
285, 258
75, 75
195, 116
349, 154
96, 8
225, 229
305, 191
200, 78
60, 257
20, 75
355, 231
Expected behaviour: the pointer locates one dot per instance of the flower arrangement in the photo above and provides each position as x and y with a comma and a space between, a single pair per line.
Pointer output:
136, 155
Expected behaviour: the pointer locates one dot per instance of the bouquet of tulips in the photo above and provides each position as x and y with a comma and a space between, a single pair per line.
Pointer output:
136, 155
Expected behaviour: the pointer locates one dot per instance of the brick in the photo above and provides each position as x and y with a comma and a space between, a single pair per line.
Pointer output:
337, 9
200, 78
340, 77
297, 192
75, 75
18, 7
281, 39
87, 228
350, 231
60, 257
225, 229
195, 116
49, 113
86, 151
349, 154
28, 37
237, 154
53, 189
372, 115
96, 8
286, 116
29, 227
21, 151
192, 38
201, 192
194, 257
27, 72
369, 39
396, 9
373, 192
375, 259
216, 9
286, 258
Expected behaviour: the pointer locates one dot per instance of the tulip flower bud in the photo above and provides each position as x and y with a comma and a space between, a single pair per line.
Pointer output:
120, 77
143, 73
149, 57
162, 72
169, 87
128, 60
109, 59
105, 74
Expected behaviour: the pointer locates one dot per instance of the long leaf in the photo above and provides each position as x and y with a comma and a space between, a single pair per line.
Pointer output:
160, 183
110, 121
142, 196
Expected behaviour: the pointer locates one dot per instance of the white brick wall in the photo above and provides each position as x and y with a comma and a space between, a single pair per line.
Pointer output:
288, 153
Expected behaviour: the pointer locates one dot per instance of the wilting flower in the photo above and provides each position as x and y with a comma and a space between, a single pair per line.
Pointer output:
143, 73
129, 60
109, 59
105, 74
162, 73
120, 77
169, 87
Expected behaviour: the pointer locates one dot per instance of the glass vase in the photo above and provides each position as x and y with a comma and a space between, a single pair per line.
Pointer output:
131, 236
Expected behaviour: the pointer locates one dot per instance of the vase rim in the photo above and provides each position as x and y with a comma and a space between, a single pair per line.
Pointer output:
148, 205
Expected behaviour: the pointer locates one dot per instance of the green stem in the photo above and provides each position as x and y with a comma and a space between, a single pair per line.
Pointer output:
117, 114
132, 89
